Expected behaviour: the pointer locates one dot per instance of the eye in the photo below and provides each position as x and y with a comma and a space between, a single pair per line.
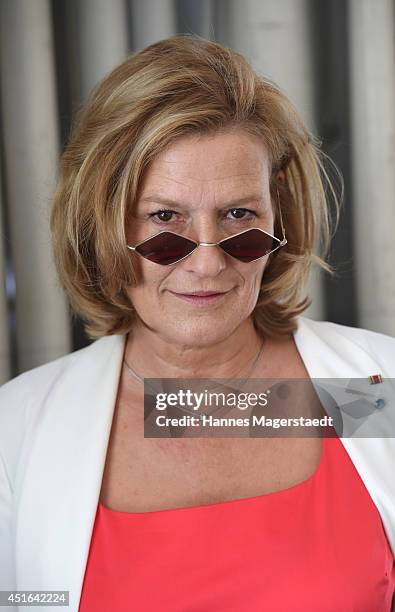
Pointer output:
162, 215
242, 213
166, 215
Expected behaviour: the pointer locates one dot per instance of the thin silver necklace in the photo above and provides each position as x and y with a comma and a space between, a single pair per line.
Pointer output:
203, 414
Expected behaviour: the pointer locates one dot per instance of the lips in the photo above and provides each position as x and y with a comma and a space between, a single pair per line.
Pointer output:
199, 293
201, 298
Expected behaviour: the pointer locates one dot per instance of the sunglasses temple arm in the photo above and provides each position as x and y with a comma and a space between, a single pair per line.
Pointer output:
284, 240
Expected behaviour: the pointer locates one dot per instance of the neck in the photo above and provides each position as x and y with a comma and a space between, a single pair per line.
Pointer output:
155, 356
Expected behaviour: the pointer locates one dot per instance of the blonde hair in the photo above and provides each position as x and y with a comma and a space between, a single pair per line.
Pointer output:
179, 86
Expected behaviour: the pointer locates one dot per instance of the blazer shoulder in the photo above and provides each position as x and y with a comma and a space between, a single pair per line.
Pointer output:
36, 379
23, 394
24, 397
43, 375
31, 386
379, 346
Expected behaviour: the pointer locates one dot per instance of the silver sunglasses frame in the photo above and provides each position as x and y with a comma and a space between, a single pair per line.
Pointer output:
281, 242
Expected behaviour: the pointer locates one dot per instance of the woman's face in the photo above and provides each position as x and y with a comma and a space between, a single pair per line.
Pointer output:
208, 188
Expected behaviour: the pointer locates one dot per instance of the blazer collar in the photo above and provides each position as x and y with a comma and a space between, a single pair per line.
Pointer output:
63, 474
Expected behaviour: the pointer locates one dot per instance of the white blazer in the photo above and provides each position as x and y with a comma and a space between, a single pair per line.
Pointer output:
55, 424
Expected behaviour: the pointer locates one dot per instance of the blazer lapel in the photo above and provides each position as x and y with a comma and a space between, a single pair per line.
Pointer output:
58, 500
343, 367
329, 353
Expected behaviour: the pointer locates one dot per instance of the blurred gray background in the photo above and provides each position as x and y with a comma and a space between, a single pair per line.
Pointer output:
334, 58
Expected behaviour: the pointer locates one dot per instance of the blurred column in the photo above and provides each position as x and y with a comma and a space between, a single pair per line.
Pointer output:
31, 153
207, 12
103, 39
5, 358
372, 54
152, 20
276, 38
198, 17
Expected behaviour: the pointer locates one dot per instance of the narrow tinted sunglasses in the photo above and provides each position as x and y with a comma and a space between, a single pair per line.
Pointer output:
167, 248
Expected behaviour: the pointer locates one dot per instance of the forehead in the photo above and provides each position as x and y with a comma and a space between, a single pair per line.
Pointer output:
226, 163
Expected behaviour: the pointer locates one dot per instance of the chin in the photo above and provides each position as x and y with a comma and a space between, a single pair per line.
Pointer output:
200, 333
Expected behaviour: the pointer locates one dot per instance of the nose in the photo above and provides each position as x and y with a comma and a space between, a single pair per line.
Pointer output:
206, 261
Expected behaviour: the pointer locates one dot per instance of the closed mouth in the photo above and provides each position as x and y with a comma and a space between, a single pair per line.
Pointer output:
200, 293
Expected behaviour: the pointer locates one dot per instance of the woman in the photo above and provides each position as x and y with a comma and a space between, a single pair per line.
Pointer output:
189, 201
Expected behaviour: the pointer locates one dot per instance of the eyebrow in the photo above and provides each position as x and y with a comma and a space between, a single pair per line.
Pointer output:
158, 199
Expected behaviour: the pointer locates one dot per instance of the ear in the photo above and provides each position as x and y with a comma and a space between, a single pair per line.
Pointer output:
280, 176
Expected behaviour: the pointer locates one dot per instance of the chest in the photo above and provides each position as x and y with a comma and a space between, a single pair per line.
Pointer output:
157, 474
148, 474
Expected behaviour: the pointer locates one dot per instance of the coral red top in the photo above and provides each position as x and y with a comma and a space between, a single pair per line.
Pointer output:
318, 546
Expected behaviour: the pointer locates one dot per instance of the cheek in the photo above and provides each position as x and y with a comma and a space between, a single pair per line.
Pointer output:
253, 278
149, 278
148, 274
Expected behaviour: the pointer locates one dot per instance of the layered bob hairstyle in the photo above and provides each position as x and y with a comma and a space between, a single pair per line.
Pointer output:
175, 87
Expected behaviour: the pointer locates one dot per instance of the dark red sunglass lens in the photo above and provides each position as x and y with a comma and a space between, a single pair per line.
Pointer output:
166, 248
249, 245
